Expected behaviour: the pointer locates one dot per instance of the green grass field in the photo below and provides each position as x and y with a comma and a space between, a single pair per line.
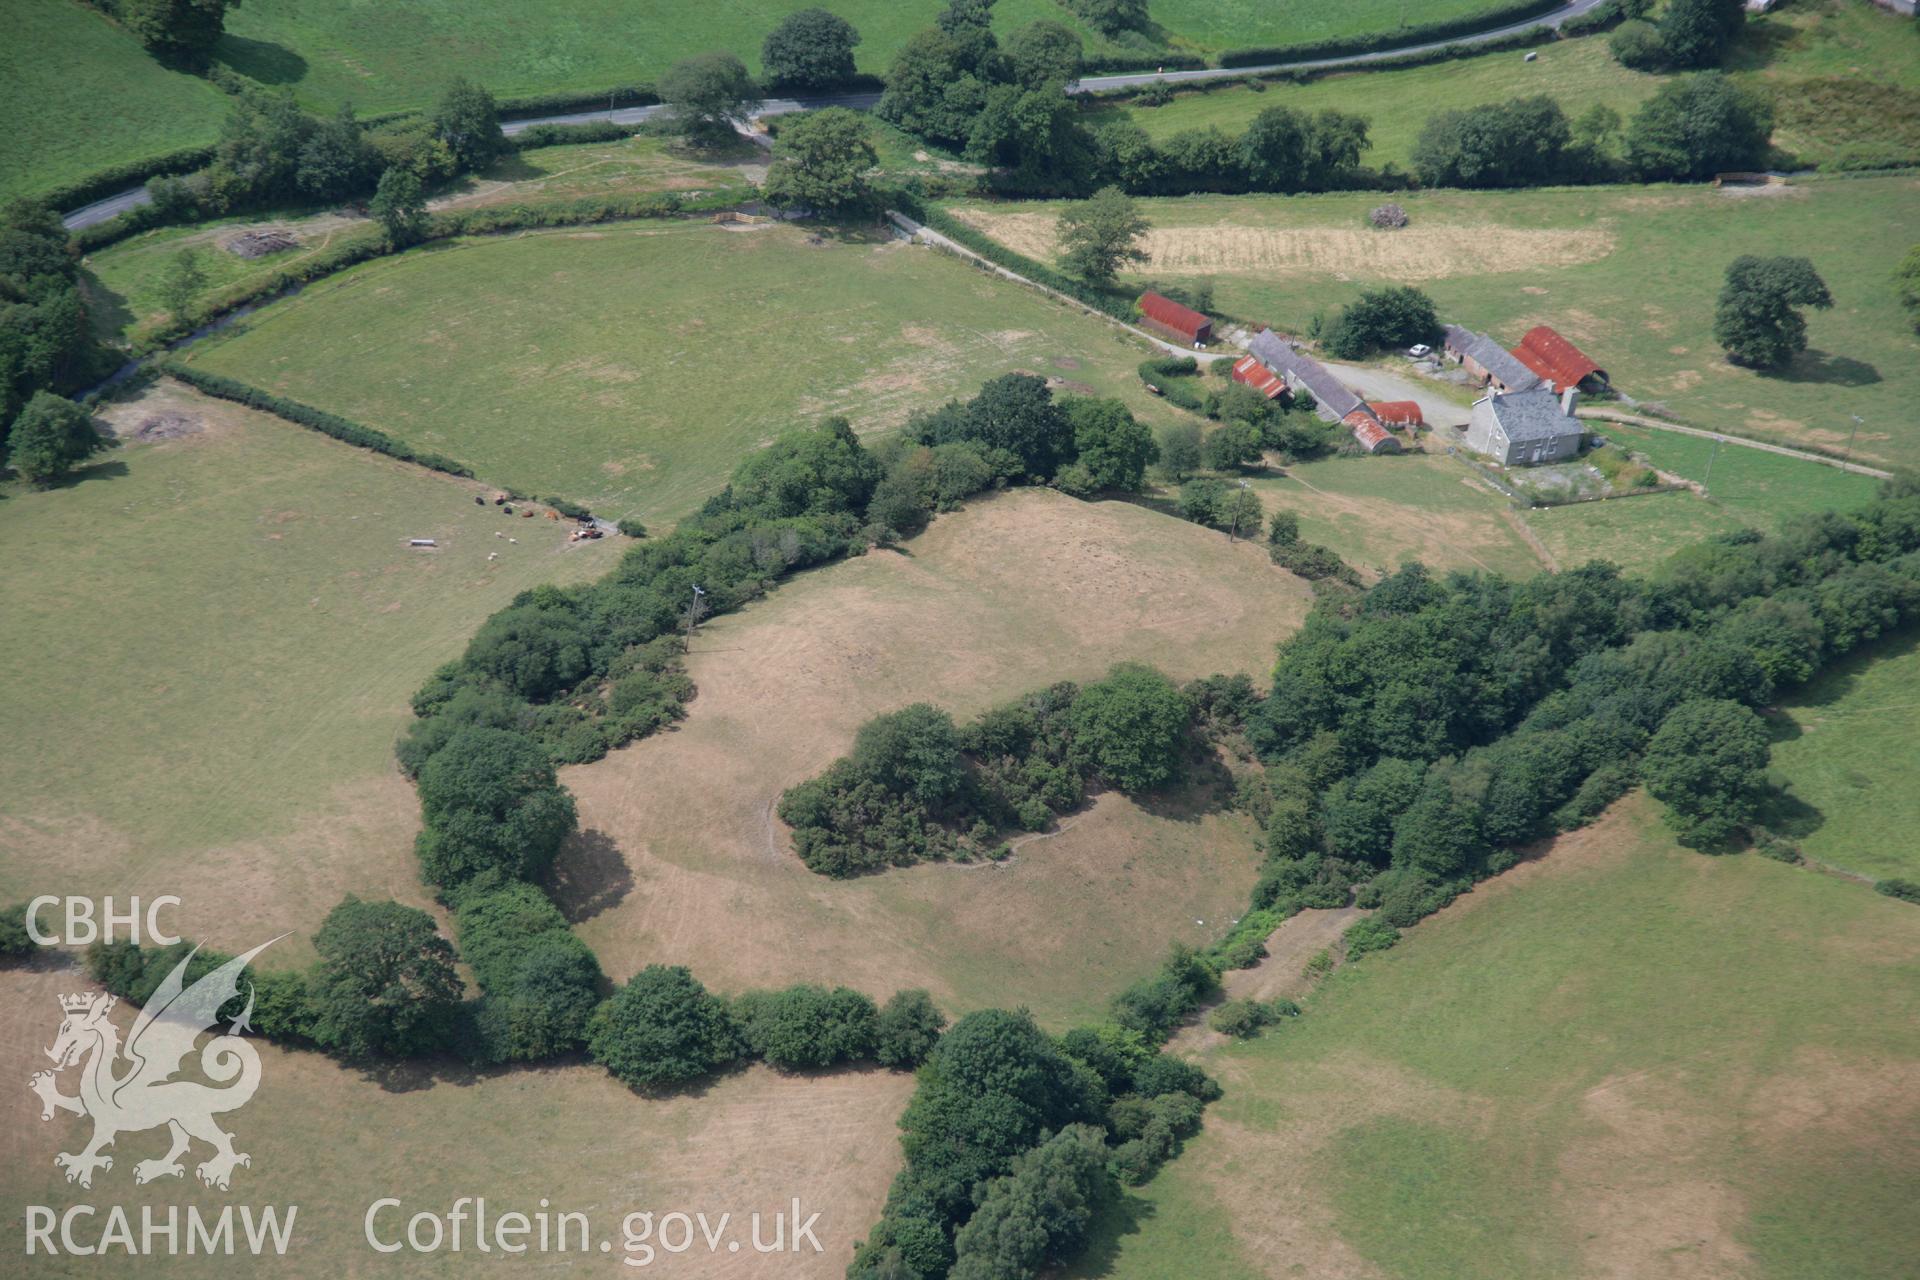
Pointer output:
1845, 747
1782, 52
1580, 73
1625, 1059
79, 94
1378, 512
631, 366
206, 660
124, 279
1629, 273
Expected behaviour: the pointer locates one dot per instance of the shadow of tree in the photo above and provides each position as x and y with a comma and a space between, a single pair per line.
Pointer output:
262, 60
1815, 365
1124, 1216
590, 876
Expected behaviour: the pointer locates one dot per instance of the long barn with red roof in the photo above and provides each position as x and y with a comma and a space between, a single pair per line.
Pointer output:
1183, 324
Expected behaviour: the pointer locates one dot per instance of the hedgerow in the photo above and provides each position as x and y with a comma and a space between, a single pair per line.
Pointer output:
1420, 33
342, 429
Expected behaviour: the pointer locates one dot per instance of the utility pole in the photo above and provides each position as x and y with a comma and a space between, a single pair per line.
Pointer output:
1857, 420
1708, 479
696, 610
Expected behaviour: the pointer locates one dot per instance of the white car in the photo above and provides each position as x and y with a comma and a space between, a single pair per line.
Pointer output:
1419, 350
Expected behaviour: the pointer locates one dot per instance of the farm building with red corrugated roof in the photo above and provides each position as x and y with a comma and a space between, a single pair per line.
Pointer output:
1558, 362
1398, 413
1249, 370
1183, 324
1369, 434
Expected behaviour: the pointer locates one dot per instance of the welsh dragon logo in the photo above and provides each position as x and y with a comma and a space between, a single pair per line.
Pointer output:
126, 1090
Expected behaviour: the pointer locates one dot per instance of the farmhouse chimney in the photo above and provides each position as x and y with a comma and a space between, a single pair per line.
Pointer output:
1569, 400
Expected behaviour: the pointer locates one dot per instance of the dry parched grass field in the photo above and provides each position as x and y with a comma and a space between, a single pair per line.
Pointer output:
332, 1141
1233, 247
682, 860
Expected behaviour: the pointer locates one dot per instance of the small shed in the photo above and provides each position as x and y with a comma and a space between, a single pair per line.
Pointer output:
1249, 370
1163, 315
1398, 413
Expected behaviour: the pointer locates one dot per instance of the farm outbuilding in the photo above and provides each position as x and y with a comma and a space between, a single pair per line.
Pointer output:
1183, 324
1369, 434
1487, 362
1557, 362
1249, 371
1398, 413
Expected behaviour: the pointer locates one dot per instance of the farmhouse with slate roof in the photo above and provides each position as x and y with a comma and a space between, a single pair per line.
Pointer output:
1487, 362
1526, 428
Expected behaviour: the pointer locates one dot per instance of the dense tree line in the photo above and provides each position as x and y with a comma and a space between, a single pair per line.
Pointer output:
1015, 1139
1690, 34
180, 33
956, 85
917, 786
1419, 733
47, 347
1692, 128
270, 152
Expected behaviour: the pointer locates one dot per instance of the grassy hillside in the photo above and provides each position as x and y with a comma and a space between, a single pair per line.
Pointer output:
1629, 273
632, 366
1845, 749
79, 94
206, 660
1845, 78
1623, 1059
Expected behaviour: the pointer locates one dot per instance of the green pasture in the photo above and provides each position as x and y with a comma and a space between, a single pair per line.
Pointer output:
631, 366
124, 279
212, 641
1640, 1058
1845, 78
1846, 749
79, 94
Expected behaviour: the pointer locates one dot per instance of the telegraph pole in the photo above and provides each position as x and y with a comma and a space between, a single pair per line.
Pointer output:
1708, 479
1857, 420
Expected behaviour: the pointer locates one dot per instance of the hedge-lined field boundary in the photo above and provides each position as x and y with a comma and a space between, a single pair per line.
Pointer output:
1380, 42
345, 430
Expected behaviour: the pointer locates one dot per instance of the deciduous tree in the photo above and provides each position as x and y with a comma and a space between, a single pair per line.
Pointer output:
809, 50
385, 985
1100, 235
822, 162
51, 437
706, 94
1756, 319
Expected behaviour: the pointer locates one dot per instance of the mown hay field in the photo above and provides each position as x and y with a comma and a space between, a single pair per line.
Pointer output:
682, 859
206, 659
1623, 1058
631, 366
1628, 273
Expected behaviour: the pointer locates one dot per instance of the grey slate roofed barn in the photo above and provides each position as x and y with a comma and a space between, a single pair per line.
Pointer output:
1492, 357
1335, 402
